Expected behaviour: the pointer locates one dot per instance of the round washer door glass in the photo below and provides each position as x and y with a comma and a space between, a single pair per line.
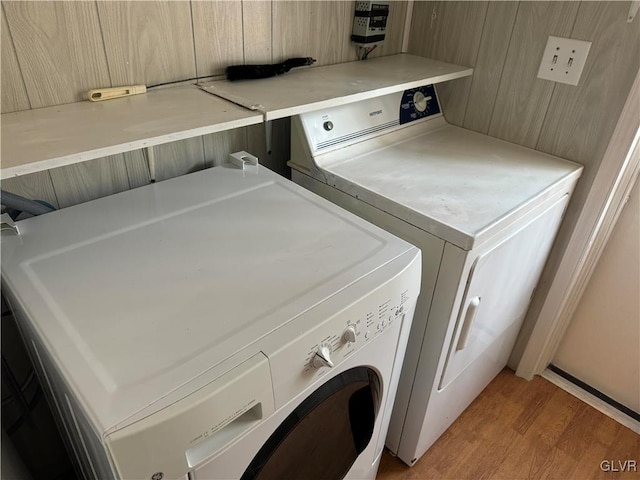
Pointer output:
323, 436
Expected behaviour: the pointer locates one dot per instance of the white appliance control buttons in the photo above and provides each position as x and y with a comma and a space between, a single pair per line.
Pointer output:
322, 358
349, 334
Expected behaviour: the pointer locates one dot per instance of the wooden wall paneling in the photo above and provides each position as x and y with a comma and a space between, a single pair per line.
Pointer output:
395, 30
451, 32
179, 158
257, 143
36, 186
256, 29
582, 118
523, 99
281, 147
317, 29
496, 34
277, 159
59, 49
137, 168
86, 181
217, 146
349, 52
14, 94
148, 42
217, 32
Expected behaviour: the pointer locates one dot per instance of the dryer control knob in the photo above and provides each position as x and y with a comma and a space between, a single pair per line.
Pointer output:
322, 358
420, 102
349, 334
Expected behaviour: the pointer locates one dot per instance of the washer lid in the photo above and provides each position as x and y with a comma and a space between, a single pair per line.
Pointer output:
454, 183
137, 293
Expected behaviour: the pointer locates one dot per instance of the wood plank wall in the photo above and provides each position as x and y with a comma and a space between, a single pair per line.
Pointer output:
53, 52
504, 42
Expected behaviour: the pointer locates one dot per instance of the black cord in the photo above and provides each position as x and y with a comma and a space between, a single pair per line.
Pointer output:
180, 81
18, 394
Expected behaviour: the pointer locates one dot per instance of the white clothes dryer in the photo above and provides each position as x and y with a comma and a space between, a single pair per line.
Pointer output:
225, 324
484, 212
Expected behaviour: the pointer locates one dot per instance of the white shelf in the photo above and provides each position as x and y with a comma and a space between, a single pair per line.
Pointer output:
51, 137
307, 89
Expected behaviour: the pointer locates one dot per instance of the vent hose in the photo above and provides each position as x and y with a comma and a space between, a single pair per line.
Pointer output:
18, 204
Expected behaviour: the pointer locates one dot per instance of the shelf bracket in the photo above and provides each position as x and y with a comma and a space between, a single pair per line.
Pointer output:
7, 223
151, 160
242, 159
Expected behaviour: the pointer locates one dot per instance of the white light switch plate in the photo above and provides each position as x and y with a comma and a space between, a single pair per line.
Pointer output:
563, 60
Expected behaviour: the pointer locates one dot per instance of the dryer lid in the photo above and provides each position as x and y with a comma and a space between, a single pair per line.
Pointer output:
137, 293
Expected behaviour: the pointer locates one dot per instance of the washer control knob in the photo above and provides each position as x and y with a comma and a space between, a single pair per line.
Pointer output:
322, 358
349, 334
328, 126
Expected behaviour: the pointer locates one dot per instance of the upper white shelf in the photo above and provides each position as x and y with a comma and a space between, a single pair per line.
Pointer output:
312, 88
52, 137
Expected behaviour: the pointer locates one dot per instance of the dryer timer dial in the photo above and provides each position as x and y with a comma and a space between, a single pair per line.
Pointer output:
420, 101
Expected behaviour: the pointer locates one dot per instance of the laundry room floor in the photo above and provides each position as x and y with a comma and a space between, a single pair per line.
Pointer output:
518, 429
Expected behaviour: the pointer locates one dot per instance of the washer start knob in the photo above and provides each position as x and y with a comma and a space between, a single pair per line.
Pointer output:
349, 334
322, 358
328, 126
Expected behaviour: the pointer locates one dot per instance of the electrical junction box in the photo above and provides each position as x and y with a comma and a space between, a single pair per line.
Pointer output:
370, 22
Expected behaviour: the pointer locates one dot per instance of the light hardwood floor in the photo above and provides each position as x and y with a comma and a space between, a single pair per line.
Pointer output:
517, 429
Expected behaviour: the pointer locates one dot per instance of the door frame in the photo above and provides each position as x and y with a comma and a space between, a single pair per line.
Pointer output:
609, 193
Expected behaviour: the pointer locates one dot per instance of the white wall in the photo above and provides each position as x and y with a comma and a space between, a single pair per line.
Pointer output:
602, 344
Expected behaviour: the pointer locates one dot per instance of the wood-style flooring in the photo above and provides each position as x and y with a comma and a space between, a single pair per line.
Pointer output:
518, 429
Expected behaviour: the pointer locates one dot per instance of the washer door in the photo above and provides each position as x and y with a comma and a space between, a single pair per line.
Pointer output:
323, 436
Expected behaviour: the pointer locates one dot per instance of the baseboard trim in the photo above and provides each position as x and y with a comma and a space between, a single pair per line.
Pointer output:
592, 400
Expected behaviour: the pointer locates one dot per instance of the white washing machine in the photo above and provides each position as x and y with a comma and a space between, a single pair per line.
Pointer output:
484, 213
225, 324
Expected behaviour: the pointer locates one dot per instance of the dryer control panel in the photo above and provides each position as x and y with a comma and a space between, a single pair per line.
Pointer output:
418, 103
336, 127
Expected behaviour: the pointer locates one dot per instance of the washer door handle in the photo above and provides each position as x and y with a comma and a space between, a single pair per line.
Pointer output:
469, 317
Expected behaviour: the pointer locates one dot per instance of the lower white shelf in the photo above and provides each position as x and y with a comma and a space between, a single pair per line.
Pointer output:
51, 137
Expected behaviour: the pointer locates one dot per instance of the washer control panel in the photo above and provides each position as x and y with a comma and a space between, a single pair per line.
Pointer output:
358, 329
417, 103
330, 337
